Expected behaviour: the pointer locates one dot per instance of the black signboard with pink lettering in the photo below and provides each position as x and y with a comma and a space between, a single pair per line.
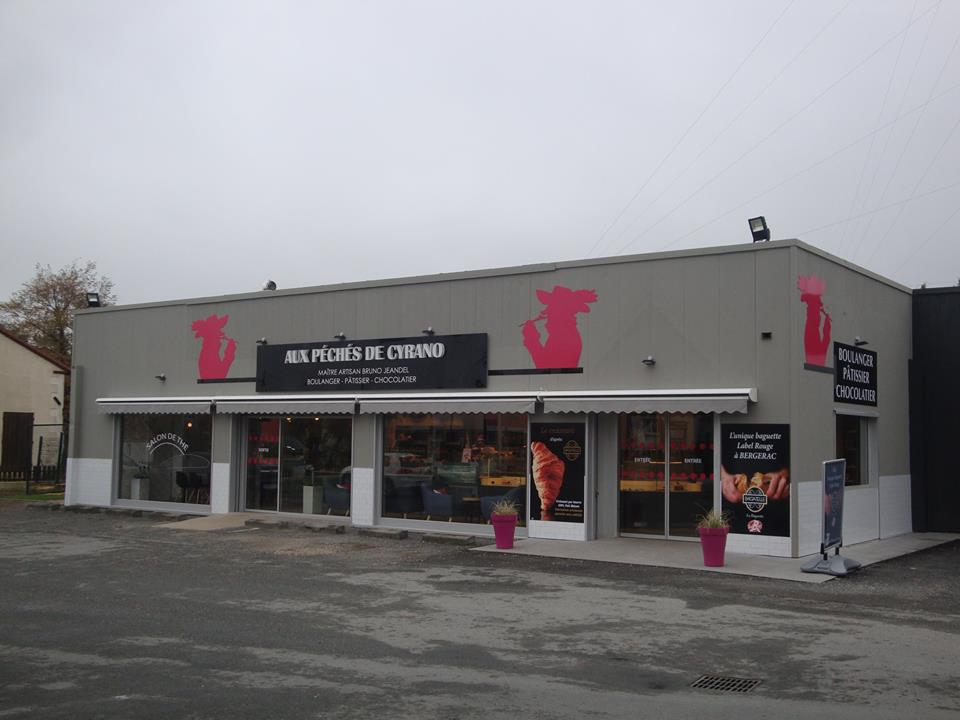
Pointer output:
389, 365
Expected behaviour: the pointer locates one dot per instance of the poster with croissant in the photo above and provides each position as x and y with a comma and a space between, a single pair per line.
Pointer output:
755, 478
557, 467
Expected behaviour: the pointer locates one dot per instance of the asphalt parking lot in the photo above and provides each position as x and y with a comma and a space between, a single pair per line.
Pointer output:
111, 616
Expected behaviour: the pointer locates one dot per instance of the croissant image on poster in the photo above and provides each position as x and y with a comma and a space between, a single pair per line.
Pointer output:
211, 363
547, 478
563, 344
816, 331
557, 467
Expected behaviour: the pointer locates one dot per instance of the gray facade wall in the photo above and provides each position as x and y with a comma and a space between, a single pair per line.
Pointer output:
699, 313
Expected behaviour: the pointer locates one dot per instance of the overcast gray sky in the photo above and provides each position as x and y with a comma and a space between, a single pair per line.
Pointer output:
200, 147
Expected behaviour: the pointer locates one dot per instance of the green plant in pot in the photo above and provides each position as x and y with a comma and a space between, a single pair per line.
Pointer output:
503, 517
713, 528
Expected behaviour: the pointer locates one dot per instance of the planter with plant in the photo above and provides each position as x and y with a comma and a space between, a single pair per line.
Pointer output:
503, 517
713, 527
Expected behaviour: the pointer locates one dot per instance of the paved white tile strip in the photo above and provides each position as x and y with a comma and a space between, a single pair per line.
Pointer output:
688, 556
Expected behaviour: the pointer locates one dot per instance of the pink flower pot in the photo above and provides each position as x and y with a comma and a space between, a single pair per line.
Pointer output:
504, 527
714, 544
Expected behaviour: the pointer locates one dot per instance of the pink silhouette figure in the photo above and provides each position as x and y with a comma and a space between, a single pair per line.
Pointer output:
209, 362
816, 341
564, 344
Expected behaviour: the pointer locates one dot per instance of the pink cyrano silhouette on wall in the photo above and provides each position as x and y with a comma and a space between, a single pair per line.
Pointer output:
563, 344
209, 362
816, 339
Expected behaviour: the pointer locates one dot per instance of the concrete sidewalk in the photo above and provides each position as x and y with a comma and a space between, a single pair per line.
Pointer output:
687, 555
631, 551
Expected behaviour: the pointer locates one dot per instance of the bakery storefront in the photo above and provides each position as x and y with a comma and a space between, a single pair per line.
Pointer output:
620, 397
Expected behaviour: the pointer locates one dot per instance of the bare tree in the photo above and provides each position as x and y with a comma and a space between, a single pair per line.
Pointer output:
41, 312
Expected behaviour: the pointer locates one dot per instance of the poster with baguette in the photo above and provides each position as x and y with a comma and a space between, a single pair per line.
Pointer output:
755, 478
557, 467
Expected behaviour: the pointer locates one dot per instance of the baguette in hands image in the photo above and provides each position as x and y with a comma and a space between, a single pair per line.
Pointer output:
547, 476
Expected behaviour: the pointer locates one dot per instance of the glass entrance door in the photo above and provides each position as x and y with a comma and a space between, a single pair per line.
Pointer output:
299, 465
643, 470
691, 472
666, 473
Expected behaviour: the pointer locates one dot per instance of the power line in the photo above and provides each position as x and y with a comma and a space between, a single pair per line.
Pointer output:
883, 106
778, 128
930, 237
913, 131
739, 115
936, 157
692, 125
827, 158
881, 209
933, 160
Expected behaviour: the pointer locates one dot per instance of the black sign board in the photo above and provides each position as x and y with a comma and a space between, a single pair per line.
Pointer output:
755, 478
854, 375
417, 363
834, 472
558, 466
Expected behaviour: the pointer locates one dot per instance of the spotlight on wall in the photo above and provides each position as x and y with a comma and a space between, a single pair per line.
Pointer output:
766, 334
859, 341
269, 285
759, 229
262, 341
340, 336
428, 330
162, 377
649, 361
93, 299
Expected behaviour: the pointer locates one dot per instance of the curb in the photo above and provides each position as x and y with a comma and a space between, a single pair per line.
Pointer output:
462, 540
386, 533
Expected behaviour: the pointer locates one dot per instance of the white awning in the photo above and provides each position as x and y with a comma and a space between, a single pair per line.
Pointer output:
468, 405
722, 400
280, 406
154, 406
651, 401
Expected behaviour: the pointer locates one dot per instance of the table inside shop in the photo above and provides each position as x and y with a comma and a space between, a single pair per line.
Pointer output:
503, 480
470, 504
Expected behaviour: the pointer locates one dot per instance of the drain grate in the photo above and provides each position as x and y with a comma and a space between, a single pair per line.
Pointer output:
724, 684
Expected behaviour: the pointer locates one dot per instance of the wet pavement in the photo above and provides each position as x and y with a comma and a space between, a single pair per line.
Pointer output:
112, 616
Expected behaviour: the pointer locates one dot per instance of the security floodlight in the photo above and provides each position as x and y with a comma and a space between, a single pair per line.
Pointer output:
759, 229
649, 361
93, 299
269, 285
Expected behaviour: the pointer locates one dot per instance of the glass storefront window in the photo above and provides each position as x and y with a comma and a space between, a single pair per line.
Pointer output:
165, 458
657, 473
850, 447
453, 467
299, 465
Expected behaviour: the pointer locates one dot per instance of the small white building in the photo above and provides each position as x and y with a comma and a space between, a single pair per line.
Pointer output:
31, 404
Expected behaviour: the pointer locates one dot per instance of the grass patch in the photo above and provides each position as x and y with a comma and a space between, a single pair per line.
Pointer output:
36, 497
